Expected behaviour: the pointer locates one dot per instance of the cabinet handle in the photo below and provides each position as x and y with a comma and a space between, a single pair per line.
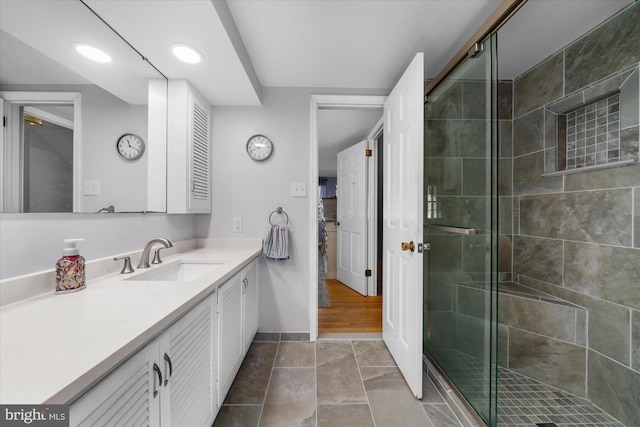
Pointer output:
167, 359
156, 369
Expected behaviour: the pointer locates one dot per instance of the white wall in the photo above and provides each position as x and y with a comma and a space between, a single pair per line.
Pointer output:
252, 190
33, 242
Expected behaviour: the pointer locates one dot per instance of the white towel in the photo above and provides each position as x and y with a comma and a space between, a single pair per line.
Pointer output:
276, 242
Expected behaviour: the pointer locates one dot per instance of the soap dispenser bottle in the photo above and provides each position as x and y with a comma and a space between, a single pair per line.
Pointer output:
70, 268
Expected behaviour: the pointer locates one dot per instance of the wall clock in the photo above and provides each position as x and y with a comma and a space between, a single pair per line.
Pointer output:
259, 147
130, 146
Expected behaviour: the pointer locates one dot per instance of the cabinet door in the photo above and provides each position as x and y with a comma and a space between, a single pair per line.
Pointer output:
199, 155
188, 150
250, 304
229, 334
125, 397
188, 394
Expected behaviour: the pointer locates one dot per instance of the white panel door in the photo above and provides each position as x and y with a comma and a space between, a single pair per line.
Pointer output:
352, 217
402, 223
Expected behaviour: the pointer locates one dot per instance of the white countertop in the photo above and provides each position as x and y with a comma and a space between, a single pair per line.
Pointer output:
54, 347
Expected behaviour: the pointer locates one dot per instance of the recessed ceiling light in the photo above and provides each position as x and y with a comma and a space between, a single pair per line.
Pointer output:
186, 53
92, 53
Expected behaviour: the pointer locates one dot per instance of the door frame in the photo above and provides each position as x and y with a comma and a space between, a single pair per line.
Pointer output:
318, 102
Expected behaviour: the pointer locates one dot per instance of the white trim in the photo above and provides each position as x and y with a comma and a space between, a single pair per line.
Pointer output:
318, 102
75, 98
372, 228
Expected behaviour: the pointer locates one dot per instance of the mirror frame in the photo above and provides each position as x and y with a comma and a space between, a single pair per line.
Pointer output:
36, 97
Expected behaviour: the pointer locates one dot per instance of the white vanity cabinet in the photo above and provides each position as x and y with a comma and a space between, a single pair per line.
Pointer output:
229, 333
188, 150
182, 376
250, 304
237, 323
170, 382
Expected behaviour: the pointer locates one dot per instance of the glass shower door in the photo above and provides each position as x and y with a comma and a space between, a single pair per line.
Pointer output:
460, 282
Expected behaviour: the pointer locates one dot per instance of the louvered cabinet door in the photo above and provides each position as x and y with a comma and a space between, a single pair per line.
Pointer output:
229, 334
188, 150
124, 398
200, 155
186, 357
250, 303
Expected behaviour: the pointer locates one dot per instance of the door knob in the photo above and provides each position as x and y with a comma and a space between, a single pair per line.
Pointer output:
337, 223
408, 246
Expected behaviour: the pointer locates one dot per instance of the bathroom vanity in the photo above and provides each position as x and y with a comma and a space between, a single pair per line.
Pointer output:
162, 344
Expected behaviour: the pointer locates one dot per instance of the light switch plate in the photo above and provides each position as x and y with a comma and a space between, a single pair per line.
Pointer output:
298, 189
237, 224
91, 188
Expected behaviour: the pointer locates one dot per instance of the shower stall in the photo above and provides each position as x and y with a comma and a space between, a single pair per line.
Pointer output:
532, 213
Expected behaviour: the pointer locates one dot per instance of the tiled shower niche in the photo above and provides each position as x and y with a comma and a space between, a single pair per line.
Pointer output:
592, 134
587, 129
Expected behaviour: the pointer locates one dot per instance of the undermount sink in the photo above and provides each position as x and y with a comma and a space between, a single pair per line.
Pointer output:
179, 272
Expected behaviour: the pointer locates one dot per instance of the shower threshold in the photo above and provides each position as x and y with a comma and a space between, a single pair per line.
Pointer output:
522, 401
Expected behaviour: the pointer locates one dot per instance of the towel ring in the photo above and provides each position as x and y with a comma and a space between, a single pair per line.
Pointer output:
279, 211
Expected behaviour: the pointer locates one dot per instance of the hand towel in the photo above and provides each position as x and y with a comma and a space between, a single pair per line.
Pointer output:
276, 242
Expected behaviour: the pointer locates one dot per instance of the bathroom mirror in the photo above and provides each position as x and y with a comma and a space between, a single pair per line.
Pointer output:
64, 113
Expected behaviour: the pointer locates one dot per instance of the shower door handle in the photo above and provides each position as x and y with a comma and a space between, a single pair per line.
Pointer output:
452, 229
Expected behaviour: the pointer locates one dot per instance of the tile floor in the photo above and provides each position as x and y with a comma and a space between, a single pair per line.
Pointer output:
331, 383
354, 383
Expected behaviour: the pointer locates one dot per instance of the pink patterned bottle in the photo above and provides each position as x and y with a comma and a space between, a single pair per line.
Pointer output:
70, 268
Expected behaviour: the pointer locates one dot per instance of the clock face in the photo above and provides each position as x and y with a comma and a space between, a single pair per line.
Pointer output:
259, 147
130, 146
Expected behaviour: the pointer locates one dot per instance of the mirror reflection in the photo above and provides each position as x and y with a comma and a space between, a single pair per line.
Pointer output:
65, 112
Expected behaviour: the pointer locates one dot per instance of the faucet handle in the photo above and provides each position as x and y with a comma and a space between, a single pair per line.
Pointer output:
126, 268
156, 256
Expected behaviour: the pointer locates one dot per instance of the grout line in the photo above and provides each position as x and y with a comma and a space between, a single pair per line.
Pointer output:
268, 383
366, 395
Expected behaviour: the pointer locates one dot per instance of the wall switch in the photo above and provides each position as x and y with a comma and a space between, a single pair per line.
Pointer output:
91, 188
298, 189
237, 224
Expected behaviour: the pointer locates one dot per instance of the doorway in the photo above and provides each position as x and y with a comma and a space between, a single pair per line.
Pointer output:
349, 287
345, 106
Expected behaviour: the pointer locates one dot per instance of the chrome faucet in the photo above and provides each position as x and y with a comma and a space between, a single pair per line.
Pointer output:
144, 259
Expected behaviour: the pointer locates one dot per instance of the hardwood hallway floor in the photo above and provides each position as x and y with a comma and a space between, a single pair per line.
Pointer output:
349, 311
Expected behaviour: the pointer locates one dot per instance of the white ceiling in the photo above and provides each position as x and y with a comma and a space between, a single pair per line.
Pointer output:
339, 129
352, 44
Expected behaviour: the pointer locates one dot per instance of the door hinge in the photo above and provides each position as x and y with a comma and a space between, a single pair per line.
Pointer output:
367, 273
368, 153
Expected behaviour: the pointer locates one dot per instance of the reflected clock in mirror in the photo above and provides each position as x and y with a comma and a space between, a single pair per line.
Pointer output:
112, 99
130, 146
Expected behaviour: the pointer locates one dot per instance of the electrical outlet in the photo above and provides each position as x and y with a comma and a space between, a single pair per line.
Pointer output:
298, 189
237, 224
